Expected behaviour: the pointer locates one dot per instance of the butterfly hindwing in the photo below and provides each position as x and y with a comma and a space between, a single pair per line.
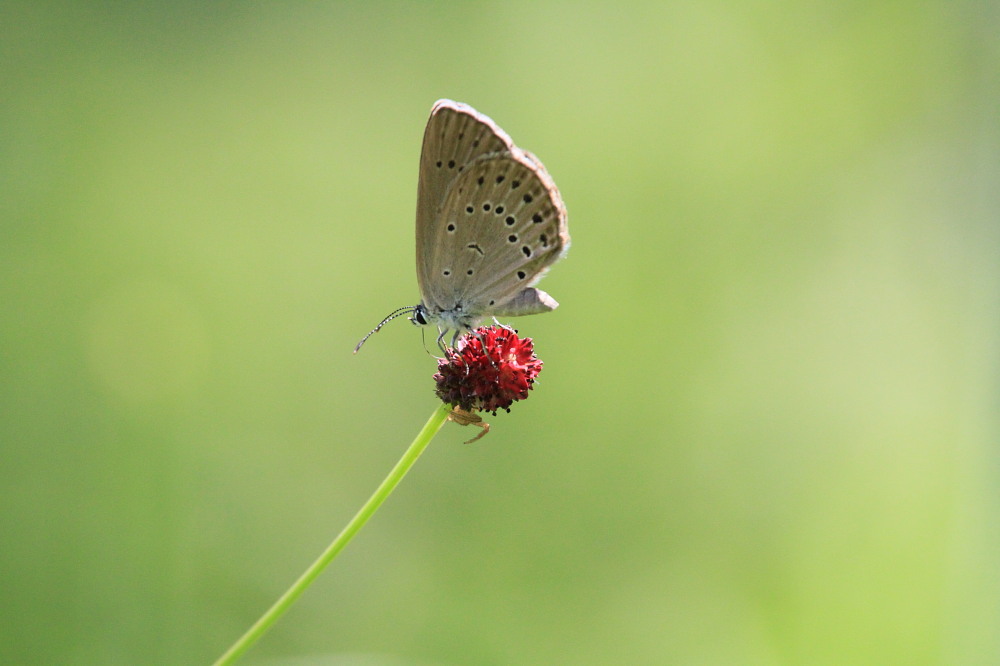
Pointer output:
501, 226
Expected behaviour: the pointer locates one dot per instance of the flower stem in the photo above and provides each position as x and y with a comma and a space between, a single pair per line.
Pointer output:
421, 441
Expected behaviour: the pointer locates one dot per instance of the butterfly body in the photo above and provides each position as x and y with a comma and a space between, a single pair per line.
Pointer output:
490, 222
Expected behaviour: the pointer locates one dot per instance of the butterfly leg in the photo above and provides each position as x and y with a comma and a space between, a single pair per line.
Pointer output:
440, 341
454, 344
504, 326
482, 344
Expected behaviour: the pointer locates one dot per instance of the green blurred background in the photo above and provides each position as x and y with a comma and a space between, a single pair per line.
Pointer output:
766, 432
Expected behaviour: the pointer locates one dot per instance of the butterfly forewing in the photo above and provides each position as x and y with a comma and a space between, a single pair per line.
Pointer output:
456, 135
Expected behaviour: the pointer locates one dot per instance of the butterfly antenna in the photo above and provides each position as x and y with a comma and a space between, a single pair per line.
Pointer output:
392, 315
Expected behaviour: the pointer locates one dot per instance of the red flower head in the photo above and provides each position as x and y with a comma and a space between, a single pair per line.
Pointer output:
488, 370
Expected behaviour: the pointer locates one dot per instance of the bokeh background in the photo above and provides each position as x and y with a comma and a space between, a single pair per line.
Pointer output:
766, 432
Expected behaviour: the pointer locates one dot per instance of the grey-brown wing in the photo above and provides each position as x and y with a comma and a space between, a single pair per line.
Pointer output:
503, 224
456, 135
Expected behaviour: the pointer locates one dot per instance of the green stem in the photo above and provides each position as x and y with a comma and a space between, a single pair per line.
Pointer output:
421, 441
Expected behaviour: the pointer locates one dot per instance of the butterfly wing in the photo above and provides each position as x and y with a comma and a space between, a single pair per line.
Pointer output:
455, 137
501, 225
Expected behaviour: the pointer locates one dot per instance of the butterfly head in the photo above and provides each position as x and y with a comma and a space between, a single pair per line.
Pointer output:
421, 315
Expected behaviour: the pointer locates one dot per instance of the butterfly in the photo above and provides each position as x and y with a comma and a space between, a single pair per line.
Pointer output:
490, 223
